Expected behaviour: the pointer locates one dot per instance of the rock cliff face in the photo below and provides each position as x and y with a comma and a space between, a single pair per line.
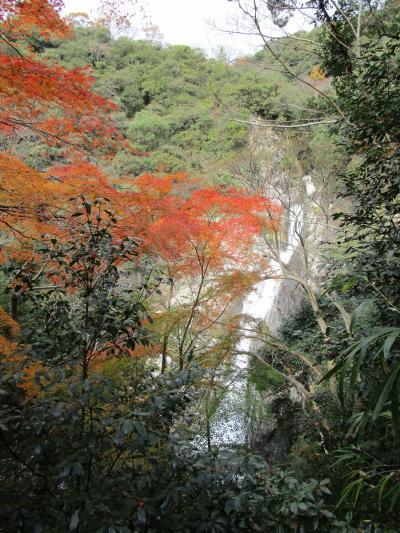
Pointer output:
294, 250
295, 255
287, 298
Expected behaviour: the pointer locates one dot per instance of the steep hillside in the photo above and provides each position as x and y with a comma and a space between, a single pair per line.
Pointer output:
183, 109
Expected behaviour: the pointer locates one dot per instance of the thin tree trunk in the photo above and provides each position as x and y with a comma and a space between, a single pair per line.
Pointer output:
164, 354
192, 314
358, 31
15, 301
208, 432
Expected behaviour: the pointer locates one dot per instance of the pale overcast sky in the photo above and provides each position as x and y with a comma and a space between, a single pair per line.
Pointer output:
190, 22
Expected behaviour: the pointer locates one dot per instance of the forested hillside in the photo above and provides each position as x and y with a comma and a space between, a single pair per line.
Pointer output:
199, 266
179, 107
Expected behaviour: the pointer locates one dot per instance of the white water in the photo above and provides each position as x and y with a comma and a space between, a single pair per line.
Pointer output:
229, 425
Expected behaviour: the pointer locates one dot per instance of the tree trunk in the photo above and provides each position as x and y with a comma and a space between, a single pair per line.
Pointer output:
15, 301
164, 354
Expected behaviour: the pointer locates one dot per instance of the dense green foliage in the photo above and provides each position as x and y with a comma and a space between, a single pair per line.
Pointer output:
176, 105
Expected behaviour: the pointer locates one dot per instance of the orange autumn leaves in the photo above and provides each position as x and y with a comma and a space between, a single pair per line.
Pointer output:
40, 17
9, 332
177, 220
51, 105
27, 370
43, 99
167, 213
52, 101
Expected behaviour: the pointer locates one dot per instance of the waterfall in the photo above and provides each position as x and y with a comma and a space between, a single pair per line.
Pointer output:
230, 422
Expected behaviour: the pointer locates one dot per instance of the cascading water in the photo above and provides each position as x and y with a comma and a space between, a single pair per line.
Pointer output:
230, 422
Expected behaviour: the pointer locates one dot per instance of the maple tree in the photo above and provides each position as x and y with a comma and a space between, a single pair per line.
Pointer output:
46, 99
57, 106
205, 238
